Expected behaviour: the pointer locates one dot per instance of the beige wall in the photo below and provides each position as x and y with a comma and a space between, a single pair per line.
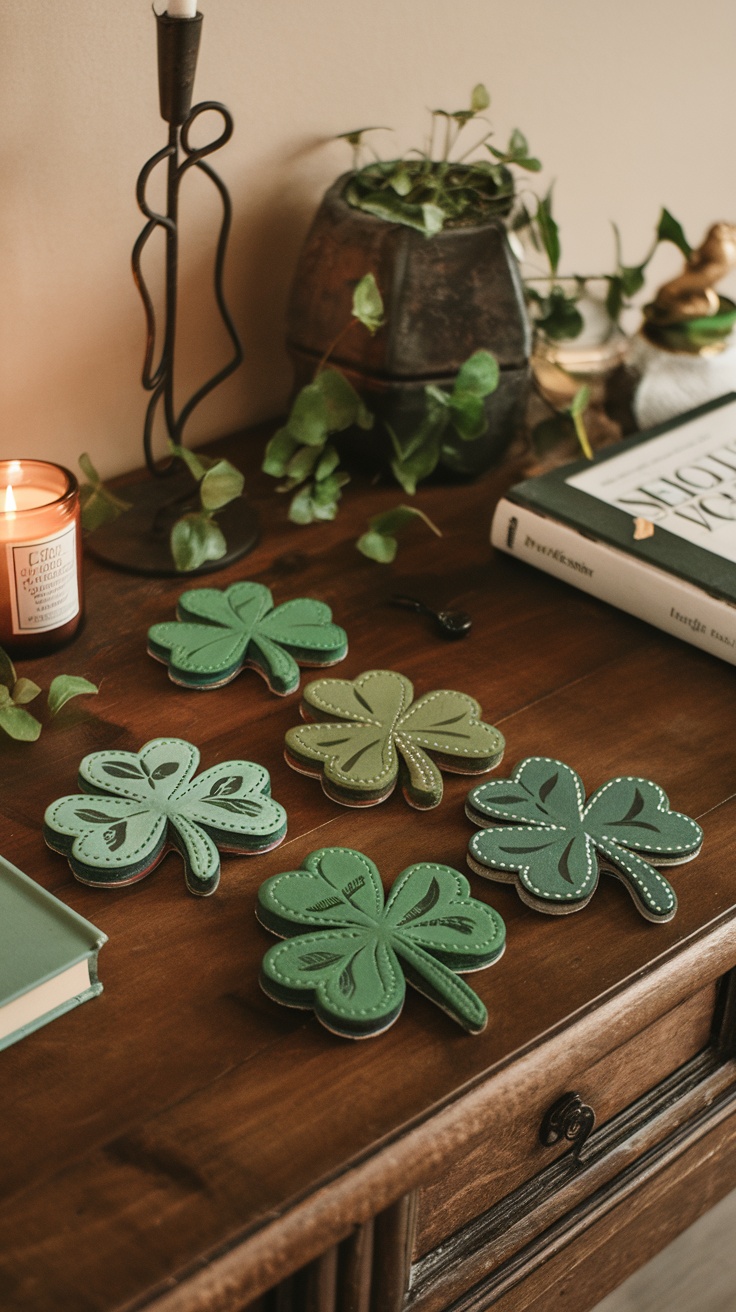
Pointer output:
629, 104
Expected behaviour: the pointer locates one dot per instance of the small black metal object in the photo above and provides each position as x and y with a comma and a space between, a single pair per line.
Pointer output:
568, 1118
178, 47
450, 623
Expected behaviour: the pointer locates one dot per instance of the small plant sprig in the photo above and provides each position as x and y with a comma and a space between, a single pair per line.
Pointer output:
462, 409
564, 423
555, 311
300, 452
428, 192
380, 543
196, 537
16, 694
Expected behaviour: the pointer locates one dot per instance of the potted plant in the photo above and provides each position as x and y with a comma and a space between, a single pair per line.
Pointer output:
431, 227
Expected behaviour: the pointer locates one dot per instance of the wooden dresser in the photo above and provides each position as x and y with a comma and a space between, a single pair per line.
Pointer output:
183, 1144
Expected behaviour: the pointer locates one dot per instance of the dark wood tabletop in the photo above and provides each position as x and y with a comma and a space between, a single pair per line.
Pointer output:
183, 1115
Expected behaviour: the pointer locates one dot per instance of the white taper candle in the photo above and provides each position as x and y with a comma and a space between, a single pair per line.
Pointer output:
182, 9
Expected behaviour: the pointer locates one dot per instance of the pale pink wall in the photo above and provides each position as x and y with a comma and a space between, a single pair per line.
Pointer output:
628, 104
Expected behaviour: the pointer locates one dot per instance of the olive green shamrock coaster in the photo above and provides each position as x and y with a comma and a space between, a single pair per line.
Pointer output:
354, 954
137, 805
556, 843
375, 733
218, 632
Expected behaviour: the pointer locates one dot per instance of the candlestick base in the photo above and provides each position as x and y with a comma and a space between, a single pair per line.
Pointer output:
138, 542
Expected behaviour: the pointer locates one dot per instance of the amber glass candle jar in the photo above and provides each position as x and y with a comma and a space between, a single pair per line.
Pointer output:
40, 556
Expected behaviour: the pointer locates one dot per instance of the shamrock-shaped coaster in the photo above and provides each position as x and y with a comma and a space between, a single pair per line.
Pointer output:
219, 632
376, 732
135, 806
556, 842
353, 954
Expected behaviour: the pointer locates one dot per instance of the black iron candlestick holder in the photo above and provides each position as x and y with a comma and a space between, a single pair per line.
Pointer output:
139, 539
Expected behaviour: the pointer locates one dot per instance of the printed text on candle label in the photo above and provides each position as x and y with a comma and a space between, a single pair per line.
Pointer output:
43, 582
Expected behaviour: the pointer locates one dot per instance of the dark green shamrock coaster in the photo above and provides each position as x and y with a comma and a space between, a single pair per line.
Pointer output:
219, 632
376, 733
556, 843
136, 806
353, 954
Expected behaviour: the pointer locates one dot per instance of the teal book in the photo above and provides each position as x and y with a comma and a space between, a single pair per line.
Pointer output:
649, 525
48, 956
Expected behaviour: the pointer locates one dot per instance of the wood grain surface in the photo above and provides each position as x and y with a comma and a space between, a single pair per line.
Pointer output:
158, 1130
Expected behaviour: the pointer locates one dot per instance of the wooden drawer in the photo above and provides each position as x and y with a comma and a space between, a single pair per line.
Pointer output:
484, 1222
512, 1152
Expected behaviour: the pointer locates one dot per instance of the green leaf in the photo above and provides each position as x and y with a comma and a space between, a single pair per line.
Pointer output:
377, 546
579, 401
308, 421
328, 462
518, 147
343, 406
549, 231
367, 302
302, 463
387, 205
221, 484
25, 691
468, 415
479, 98
327, 491
195, 539
392, 521
88, 469
669, 229
401, 181
479, 375
434, 219
66, 686
8, 675
301, 510
632, 279
530, 163
278, 453
410, 469
561, 320
19, 724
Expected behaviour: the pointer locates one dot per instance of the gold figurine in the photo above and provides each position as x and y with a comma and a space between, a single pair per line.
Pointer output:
687, 313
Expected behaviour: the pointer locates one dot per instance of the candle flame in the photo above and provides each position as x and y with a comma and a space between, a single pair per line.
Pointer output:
10, 505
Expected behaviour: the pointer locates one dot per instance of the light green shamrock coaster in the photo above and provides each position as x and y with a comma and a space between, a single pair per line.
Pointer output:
376, 733
218, 632
353, 954
556, 843
136, 806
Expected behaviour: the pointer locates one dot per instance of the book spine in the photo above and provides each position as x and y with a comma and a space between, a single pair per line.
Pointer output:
625, 581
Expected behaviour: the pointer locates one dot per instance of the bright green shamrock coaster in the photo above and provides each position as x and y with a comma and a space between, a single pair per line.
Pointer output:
353, 954
376, 733
556, 843
218, 632
136, 806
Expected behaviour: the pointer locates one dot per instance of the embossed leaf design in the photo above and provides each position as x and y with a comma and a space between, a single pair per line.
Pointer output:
555, 842
370, 731
135, 806
217, 633
348, 954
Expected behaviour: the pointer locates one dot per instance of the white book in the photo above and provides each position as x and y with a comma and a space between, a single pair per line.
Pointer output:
663, 599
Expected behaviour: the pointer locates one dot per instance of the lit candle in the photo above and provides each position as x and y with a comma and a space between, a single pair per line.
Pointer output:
40, 556
182, 9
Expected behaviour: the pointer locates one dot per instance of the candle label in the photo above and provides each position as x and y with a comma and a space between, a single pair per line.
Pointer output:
44, 591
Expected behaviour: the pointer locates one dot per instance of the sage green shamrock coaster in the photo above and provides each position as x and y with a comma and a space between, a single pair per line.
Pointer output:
556, 842
376, 733
354, 954
218, 632
136, 806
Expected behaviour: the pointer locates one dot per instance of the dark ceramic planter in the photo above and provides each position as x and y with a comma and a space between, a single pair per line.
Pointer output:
445, 297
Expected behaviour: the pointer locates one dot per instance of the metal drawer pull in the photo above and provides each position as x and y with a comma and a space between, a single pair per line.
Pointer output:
568, 1118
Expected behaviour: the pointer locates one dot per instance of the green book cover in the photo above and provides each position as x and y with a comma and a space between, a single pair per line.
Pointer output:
680, 475
48, 956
